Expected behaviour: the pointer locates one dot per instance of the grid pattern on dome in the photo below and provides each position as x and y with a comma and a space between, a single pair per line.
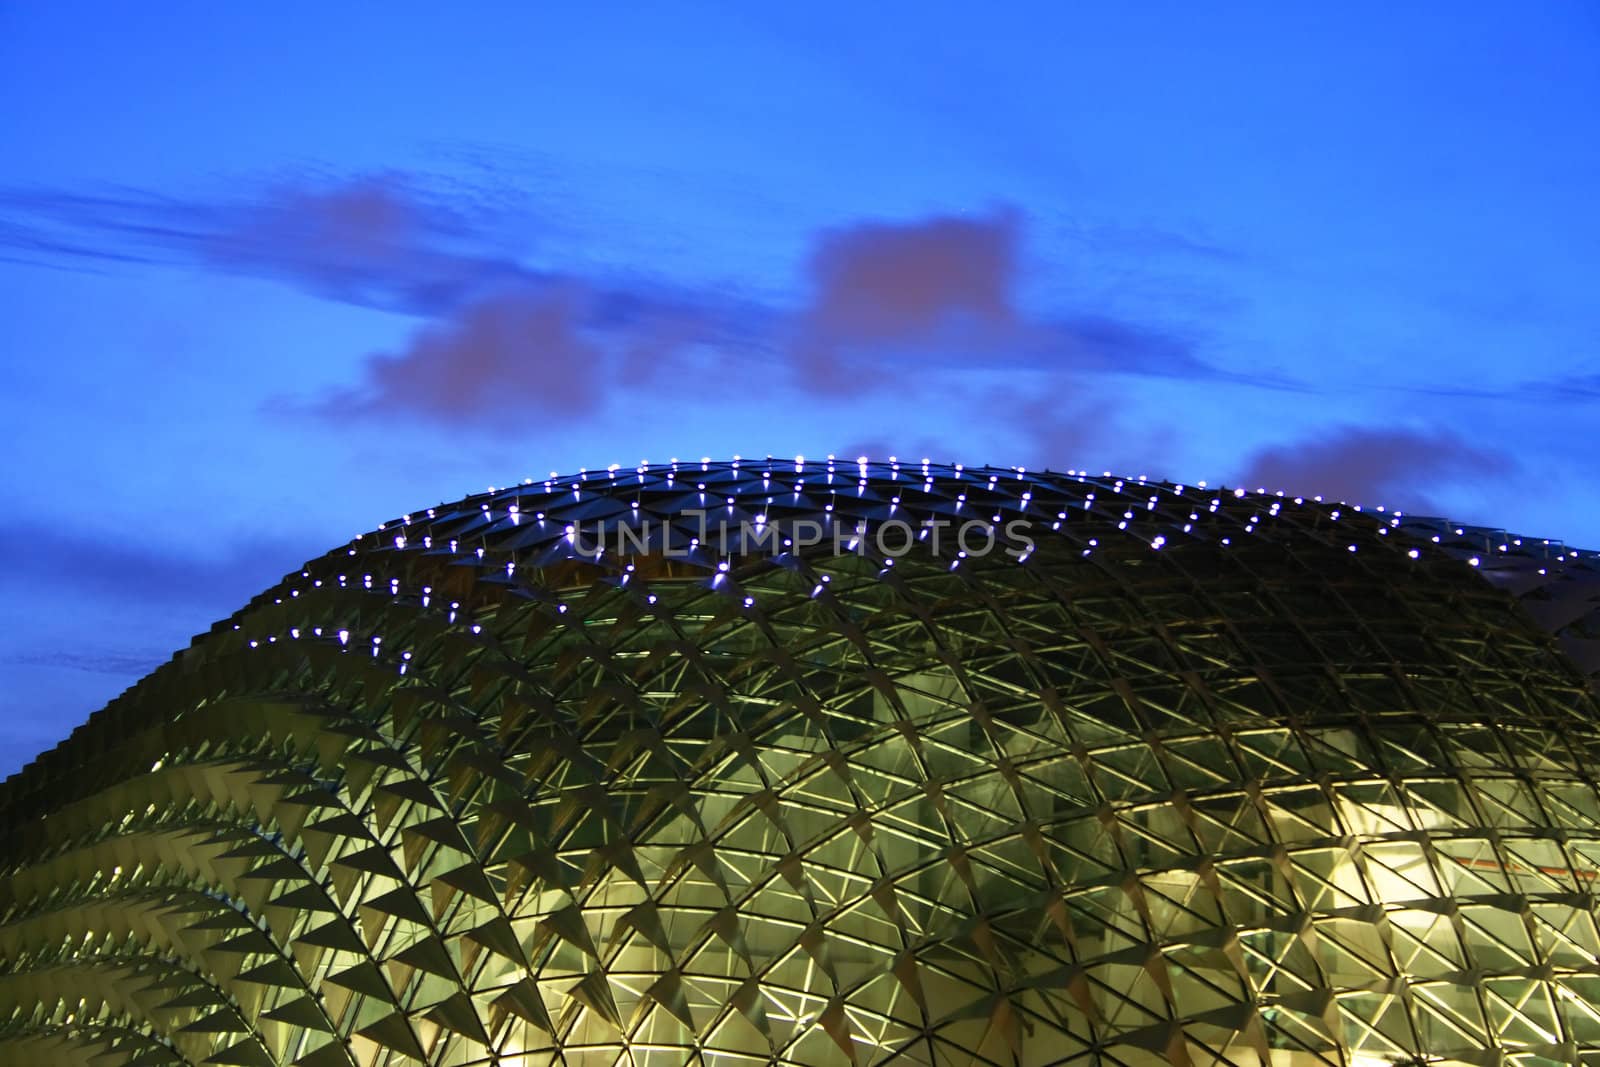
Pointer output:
1244, 797
705, 509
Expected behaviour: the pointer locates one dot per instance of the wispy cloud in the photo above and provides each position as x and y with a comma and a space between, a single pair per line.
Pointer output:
379, 240
1373, 465
388, 240
1579, 387
1565, 389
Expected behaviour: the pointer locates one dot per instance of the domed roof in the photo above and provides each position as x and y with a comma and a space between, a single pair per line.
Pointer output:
697, 515
806, 762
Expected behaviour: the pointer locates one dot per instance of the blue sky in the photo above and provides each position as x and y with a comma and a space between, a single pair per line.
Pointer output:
272, 276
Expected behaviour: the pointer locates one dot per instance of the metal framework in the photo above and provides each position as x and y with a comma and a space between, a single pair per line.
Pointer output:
1200, 778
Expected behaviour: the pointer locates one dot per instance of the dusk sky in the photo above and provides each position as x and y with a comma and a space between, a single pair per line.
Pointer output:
272, 276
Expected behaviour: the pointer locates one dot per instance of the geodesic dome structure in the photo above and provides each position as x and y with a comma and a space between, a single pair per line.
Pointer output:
732, 763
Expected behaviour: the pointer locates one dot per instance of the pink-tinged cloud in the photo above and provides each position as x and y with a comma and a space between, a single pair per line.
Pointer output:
879, 285
942, 291
518, 352
883, 282
1373, 466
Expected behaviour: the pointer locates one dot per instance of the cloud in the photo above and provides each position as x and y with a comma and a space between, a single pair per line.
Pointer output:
939, 292
522, 351
1373, 466
1565, 389
888, 295
917, 307
938, 281
1065, 422
376, 240
384, 240
1101, 343
1059, 432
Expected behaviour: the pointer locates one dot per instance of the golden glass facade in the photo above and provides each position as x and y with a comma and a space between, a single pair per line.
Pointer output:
1200, 778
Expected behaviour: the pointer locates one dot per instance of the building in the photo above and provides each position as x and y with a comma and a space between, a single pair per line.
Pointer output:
725, 763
